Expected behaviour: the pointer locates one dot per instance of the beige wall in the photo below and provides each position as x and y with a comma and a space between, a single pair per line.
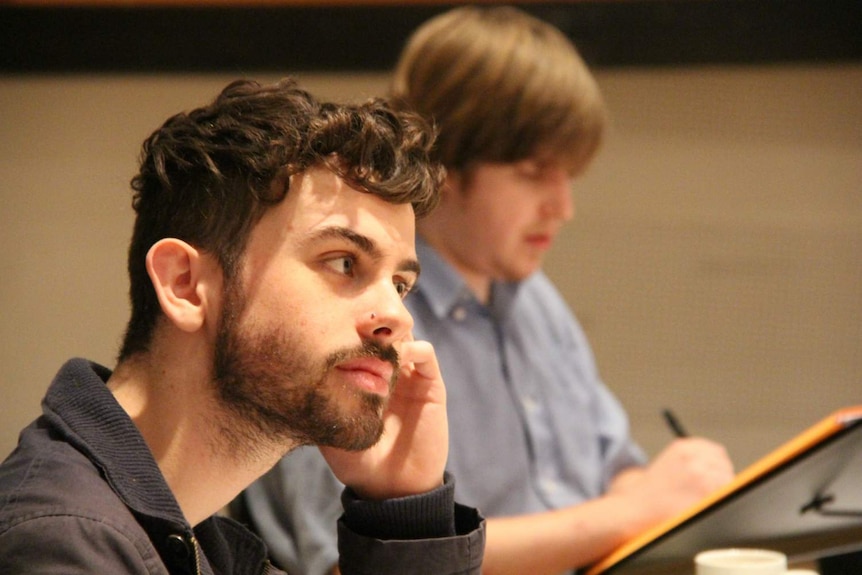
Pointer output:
716, 259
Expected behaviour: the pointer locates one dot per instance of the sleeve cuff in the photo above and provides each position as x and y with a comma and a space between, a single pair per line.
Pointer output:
423, 516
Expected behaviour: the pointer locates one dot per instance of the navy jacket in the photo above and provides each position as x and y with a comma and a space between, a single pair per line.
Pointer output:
82, 494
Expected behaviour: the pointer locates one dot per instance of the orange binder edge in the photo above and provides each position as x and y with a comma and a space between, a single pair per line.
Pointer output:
815, 434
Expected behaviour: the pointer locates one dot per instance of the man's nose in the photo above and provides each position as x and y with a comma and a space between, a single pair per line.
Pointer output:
559, 202
384, 317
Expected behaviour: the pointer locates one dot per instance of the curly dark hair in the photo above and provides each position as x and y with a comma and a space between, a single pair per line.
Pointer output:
208, 176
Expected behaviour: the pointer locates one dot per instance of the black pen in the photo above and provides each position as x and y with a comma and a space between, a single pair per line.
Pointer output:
674, 423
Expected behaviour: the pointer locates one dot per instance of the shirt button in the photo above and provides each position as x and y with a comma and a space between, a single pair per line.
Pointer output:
459, 313
549, 485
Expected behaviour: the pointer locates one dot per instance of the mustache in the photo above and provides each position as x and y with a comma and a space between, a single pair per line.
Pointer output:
369, 348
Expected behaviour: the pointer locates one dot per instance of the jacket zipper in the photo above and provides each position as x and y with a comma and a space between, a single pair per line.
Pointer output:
197, 555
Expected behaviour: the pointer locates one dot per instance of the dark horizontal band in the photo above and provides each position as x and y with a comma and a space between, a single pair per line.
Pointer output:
353, 37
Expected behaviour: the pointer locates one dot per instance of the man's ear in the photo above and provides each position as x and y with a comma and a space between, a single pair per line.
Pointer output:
179, 273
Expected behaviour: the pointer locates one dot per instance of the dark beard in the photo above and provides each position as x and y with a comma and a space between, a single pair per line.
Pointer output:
275, 394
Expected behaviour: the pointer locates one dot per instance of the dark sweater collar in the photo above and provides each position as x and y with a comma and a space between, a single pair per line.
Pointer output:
84, 410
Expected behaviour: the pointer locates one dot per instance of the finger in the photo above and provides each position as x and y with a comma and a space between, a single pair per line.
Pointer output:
422, 357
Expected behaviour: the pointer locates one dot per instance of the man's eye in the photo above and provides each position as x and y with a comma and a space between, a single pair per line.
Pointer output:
403, 288
343, 265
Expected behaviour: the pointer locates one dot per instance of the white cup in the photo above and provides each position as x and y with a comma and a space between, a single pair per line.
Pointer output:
745, 562
740, 562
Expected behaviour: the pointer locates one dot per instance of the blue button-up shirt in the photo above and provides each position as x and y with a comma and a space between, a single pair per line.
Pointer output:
532, 426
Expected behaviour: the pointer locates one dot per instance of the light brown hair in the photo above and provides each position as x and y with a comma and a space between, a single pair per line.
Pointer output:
501, 86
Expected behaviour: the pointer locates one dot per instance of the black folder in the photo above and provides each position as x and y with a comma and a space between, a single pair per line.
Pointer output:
804, 499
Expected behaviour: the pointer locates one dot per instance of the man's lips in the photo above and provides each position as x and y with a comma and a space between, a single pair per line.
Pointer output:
540, 240
370, 374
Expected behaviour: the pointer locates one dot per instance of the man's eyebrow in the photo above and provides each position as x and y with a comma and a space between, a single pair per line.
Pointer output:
363, 243
411, 265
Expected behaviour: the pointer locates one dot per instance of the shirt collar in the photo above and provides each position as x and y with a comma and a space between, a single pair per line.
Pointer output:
444, 288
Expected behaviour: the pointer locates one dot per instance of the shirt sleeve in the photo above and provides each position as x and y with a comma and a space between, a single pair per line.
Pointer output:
582, 431
617, 449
